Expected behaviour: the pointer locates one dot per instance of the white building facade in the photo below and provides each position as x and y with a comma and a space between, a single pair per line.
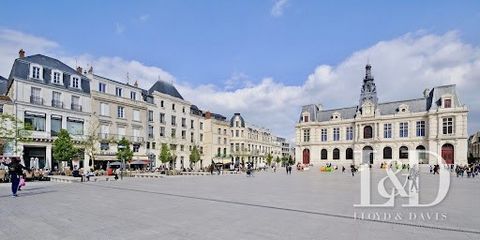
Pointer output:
374, 132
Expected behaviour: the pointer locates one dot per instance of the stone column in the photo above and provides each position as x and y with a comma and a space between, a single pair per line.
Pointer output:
48, 156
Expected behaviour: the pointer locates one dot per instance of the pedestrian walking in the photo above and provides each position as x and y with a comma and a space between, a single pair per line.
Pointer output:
352, 168
412, 177
15, 170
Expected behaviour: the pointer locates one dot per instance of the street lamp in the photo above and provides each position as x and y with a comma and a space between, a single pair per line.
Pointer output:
123, 163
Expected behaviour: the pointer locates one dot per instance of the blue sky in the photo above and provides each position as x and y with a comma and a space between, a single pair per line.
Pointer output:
236, 53
208, 41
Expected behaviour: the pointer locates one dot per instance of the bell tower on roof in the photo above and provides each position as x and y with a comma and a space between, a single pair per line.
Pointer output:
369, 91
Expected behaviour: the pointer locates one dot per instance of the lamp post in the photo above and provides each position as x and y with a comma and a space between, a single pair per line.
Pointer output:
123, 163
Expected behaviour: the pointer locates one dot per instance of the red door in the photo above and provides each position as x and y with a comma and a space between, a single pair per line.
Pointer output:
306, 156
448, 153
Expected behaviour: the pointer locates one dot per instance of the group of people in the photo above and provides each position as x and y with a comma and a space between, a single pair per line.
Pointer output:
471, 170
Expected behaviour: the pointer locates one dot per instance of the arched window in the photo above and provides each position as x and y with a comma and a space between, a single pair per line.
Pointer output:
387, 153
421, 154
349, 153
336, 154
324, 154
367, 132
403, 152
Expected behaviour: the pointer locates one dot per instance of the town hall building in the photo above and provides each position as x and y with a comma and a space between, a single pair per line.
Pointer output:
373, 132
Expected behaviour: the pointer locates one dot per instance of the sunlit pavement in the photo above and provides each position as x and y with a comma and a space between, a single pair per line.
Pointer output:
304, 205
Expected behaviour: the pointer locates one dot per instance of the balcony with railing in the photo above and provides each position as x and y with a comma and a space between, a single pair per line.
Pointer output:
36, 100
57, 104
76, 107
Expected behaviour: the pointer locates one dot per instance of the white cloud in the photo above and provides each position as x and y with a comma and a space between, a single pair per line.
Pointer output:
119, 28
278, 8
403, 67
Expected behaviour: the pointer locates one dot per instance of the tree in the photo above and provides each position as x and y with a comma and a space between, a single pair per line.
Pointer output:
89, 144
63, 148
194, 155
12, 130
278, 160
124, 153
290, 160
269, 159
165, 155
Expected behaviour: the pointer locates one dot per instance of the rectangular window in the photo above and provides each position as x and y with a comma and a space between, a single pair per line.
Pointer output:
201, 125
102, 87
173, 133
237, 133
56, 78
387, 130
336, 134
150, 115
421, 129
104, 131
136, 147
136, 115
447, 125
225, 141
323, 135
36, 72
184, 134
76, 104
56, 101
104, 146
150, 131
174, 121
162, 118
121, 131
162, 131
75, 82
35, 122
104, 109
306, 135
192, 139
118, 92
219, 130
161, 103
448, 103
1, 108
35, 96
201, 137
74, 127
349, 133
184, 122
133, 95
191, 124
120, 112
403, 129
56, 125
173, 106
219, 140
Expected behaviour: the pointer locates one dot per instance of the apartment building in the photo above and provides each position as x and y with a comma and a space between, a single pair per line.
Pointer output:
216, 139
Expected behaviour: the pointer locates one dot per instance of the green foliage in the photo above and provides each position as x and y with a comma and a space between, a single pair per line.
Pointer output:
124, 153
194, 155
63, 148
269, 159
12, 130
290, 160
165, 155
277, 160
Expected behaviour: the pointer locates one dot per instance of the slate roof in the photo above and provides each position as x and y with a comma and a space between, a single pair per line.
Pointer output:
165, 88
3, 85
232, 120
21, 69
430, 102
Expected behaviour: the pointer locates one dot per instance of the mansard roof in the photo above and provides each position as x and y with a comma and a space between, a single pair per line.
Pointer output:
430, 102
165, 88
3, 85
232, 120
21, 69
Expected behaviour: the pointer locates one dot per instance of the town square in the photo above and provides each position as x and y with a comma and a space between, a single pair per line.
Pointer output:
273, 119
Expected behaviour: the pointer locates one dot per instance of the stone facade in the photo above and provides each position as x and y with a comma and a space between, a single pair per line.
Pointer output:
376, 132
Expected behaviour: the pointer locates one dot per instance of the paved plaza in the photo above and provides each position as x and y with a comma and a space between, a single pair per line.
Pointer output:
304, 205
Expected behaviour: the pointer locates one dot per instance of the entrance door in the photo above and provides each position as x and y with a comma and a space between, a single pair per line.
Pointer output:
34, 157
367, 155
448, 153
306, 156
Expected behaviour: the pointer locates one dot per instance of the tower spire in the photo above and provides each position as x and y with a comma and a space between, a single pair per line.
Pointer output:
369, 90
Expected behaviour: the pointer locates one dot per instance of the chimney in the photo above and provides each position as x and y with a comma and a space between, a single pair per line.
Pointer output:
79, 70
135, 84
21, 53
208, 115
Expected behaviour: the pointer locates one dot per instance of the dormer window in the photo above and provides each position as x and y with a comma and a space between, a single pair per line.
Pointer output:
133, 95
305, 118
118, 92
335, 116
57, 77
447, 103
36, 72
75, 82
403, 108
